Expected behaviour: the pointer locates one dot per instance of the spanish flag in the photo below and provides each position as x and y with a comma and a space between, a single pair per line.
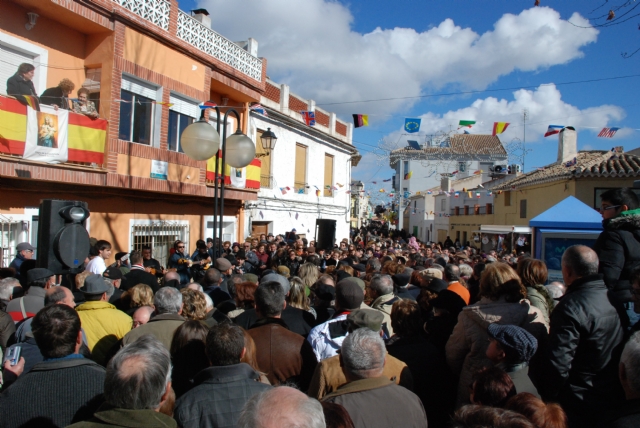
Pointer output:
408, 175
499, 127
360, 120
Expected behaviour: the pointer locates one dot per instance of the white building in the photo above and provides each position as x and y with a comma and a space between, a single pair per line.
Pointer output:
462, 154
361, 210
306, 178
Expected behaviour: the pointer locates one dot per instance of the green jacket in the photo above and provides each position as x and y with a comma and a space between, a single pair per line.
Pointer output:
108, 416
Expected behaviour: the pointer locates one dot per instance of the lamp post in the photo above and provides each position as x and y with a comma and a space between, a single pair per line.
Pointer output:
201, 141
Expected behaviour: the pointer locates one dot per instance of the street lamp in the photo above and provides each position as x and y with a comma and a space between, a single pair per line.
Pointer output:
201, 141
268, 140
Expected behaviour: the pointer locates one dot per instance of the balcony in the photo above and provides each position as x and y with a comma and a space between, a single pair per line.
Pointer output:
219, 47
85, 142
266, 182
199, 36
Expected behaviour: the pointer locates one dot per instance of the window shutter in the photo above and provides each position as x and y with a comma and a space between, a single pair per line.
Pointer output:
184, 106
139, 87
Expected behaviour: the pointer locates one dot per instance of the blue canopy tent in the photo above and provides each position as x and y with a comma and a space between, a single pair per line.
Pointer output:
569, 222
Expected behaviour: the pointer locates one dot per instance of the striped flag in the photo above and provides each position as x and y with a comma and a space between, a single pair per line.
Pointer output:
467, 123
499, 127
408, 175
258, 108
207, 104
360, 120
608, 132
553, 129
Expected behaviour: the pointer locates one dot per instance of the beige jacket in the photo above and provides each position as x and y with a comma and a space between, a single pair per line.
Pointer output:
468, 343
384, 305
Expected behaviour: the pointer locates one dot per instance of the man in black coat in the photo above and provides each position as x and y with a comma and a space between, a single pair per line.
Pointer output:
138, 275
58, 96
618, 246
65, 387
221, 390
585, 341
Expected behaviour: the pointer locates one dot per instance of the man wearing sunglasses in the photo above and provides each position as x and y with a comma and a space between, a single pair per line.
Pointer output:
618, 246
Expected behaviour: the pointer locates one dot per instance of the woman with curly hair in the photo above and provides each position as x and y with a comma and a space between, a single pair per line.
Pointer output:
502, 300
533, 274
194, 305
137, 296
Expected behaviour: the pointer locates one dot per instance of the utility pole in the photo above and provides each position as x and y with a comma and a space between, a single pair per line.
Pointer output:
400, 212
525, 114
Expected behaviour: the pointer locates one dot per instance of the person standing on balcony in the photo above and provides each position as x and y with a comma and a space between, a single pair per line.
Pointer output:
21, 83
84, 106
58, 97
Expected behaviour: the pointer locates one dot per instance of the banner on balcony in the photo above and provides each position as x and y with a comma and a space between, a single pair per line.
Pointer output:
248, 177
46, 139
85, 137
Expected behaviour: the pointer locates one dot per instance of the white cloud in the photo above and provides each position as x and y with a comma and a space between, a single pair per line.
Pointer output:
544, 107
310, 46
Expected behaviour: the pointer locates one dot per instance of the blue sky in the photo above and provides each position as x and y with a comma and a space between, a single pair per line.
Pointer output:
336, 52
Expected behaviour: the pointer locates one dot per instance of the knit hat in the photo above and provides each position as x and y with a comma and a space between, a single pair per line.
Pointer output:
94, 285
325, 292
342, 274
222, 264
284, 271
348, 295
437, 285
431, 273
112, 273
250, 277
284, 282
518, 344
38, 273
369, 318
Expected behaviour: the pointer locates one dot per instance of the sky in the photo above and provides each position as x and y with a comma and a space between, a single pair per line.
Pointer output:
493, 60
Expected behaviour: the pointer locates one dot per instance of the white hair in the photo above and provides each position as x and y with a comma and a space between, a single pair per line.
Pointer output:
167, 300
6, 287
631, 360
296, 410
363, 352
209, 301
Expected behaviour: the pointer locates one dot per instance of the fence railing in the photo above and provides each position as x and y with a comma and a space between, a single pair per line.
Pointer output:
155, 11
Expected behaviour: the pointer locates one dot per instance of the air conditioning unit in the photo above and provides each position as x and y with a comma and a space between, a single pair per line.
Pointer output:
514, 168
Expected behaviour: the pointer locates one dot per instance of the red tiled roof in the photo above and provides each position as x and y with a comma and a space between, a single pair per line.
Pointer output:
596, 163
464, 144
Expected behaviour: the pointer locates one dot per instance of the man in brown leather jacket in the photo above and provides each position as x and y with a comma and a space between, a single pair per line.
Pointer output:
283, 355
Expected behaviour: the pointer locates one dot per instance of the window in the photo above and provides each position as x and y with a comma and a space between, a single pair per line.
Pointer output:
300, 178
328, 175
507, 199
466, 210
136, 117
405, 167
136, 111
160, 236
476, 210
456, 211
489, 208
266, 179
443, 204
181, 114
462, 166
523, 208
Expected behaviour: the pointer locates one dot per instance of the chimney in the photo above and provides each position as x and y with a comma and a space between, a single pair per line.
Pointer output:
567, 144
202, 16
445, 184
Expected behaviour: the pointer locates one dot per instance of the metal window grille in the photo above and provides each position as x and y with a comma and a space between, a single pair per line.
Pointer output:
160, 236
9, 230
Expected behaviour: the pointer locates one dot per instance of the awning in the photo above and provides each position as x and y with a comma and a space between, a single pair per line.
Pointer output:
500, 229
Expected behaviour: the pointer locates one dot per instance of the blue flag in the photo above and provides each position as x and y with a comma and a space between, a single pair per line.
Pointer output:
411, 125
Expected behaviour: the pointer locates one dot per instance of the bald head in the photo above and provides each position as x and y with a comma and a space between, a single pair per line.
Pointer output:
142, 315
578, 261
194, 286
282, 406
59, 296
171, 275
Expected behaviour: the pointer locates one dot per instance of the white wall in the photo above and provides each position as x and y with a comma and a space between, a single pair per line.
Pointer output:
281, 209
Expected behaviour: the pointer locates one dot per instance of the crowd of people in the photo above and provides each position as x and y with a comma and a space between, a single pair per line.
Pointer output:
379, 331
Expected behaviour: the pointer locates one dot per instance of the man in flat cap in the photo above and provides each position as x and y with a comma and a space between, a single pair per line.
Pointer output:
24, 252
511, 348
103, 324
39, 280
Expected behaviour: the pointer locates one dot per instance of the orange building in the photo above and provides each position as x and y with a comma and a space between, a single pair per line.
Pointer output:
136, 57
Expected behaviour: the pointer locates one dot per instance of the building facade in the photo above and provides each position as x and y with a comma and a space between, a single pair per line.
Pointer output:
149, 66
306, 178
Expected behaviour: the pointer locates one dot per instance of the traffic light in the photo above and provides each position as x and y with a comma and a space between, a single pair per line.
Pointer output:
63, 240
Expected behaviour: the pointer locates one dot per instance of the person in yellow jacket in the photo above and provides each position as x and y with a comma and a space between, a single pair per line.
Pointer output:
103, 324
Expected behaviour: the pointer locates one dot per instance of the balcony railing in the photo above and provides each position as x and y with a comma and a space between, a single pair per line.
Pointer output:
155, 11
212, 43
266, 181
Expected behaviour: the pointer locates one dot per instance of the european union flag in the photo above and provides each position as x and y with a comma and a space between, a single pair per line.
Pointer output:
411, 125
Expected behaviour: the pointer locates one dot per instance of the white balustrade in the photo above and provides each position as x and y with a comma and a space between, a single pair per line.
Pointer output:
155, 11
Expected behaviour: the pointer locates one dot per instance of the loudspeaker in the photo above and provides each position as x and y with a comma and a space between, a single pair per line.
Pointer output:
325, 234
63, 240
